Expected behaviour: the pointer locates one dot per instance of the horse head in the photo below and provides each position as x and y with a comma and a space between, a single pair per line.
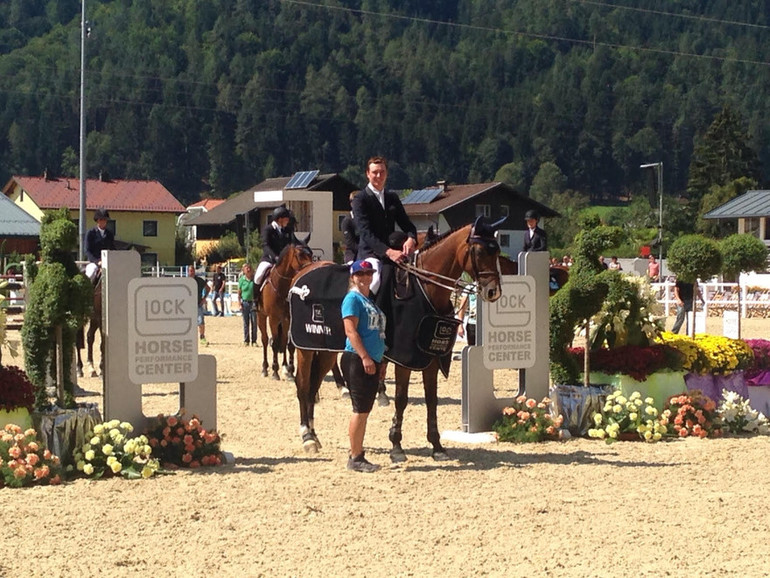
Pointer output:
293, 258
483, 251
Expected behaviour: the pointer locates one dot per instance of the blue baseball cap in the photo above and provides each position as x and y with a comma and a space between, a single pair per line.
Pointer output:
361, 267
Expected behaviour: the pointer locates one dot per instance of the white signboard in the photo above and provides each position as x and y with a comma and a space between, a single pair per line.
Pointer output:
509, 325
730, 324
162, 330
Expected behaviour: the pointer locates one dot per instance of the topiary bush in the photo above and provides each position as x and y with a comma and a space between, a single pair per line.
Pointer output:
742, 253
694, 256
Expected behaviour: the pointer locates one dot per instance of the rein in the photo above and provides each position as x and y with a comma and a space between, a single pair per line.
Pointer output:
458, 285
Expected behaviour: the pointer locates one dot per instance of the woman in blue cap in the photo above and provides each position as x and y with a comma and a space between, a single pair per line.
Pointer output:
364, 347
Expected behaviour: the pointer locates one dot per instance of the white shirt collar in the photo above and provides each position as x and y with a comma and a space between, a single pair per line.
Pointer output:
276, 226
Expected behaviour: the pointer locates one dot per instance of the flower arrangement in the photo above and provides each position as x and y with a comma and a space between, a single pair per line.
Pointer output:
15, 389
759, 370
637, 361
739, 417
711, 353
693, 414
23, 461
185, 443
632, 415
527, 420
109, 451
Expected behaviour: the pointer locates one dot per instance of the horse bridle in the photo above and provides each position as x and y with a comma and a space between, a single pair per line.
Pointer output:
284, 277
458, 285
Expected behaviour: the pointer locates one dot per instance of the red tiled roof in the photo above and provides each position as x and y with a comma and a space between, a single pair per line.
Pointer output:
146, 196
207, 204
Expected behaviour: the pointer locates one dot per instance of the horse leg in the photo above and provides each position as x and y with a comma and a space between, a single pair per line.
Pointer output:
382, 396
262, 322
430, 384
290, 353
79, 344
286, 371
307, 384
342, 387
90, 338
322, 364
402, 397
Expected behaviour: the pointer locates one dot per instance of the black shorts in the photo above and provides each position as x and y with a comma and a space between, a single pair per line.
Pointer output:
362, 386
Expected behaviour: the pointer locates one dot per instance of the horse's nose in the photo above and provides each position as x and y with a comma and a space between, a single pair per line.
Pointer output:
493, 293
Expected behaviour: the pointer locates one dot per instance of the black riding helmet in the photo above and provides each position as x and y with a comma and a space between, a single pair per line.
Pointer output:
531, 214
101, 214
281, 212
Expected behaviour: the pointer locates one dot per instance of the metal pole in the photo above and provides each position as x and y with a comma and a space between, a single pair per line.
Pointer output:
660, 218
82, 211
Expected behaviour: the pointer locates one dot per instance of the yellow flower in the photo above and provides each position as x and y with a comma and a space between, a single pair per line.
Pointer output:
98, 428
633, 416
88, 469
617, 409
111, 460
80, 465
648, 435
598, 419
107, 449
147, 472
116, 467
90, 455
95, 441
127, 427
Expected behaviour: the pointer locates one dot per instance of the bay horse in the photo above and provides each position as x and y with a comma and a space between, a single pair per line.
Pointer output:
471, 249
557, 274
274, 309
94, 325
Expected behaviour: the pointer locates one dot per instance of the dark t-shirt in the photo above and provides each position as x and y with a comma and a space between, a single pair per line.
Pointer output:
686, 290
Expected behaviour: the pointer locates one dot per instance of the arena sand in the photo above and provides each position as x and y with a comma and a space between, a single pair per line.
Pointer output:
573, 508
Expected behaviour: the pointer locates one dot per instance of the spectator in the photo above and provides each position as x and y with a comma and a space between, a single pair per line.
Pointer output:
684, 294
203, 291
246, 290
614, 265
218, 291
653, 269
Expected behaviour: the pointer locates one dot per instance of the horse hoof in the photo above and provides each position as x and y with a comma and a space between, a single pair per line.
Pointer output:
397, 456
344, 393
440, 456
264, 373
310, 447
276, 377
80, 373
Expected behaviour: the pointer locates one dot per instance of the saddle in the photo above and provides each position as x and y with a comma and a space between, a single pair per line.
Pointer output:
315, 303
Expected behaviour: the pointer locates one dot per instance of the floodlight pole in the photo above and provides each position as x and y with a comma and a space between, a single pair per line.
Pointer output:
659, 171
82, 211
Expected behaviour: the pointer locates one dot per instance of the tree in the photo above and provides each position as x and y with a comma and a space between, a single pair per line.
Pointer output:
742, 253
723, 156
548, 181
692, 257
716, 197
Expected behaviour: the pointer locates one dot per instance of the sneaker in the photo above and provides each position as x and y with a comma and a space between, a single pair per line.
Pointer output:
245, 343
382, 399
203, 341
360, 464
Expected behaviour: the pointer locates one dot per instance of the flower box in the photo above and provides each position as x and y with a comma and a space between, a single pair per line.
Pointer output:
63, 430
19, 416
659, 386
577, 404
712, 385
759, 398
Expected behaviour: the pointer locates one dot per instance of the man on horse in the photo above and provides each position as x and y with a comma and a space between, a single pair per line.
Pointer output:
376, 212
275, 236
98, 239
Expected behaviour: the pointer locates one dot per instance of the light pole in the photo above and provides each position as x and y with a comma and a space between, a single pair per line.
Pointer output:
82, 215
659, 171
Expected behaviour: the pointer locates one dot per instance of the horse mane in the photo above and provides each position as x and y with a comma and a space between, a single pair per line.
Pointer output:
433, 241
288, 247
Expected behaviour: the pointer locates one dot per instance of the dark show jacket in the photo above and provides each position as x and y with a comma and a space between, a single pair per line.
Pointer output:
95, 244
376, 224
538, 241
273, 242
350, 235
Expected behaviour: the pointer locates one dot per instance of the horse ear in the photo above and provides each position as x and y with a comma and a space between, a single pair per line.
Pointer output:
306, 240
496, 225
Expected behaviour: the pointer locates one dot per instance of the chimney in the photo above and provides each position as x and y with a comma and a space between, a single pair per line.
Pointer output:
45, 174
441, 186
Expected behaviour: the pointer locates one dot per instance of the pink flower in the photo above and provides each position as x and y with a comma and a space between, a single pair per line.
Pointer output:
188, 439
683, 433
33, 459
172, 421
195, 464
20, 472
187, 458
56, 480
14, 452
531, 403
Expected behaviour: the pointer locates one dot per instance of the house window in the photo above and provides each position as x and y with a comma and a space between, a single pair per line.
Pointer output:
505, 240
149, 259
150, 228
504, 211
752, 226
483, 210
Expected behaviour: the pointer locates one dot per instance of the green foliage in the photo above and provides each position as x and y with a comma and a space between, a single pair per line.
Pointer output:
228, 247
717, 196
694, 256
742, 253
548, 181
562, 230
581, 297
59, 296
724, 155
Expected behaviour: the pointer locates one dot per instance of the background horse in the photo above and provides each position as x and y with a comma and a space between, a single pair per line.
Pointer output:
274, 309
94, 324
557, 274
471, 249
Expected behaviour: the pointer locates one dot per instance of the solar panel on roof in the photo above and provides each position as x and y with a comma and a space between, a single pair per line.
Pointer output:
421, 196
301, 179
